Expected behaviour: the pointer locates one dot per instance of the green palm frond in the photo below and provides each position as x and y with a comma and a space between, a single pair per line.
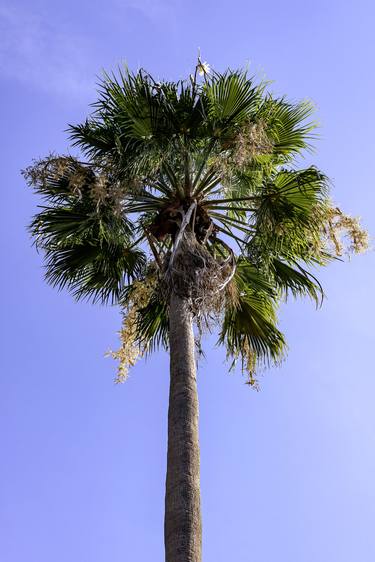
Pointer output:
230, 97
60, 226
98, 272
290, 216
249, 328
289, 126
153, 325
296, 281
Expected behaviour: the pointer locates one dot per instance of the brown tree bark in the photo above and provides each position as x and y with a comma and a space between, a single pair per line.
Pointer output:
182, 526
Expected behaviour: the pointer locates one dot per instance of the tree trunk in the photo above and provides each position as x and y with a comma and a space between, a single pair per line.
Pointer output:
182, 526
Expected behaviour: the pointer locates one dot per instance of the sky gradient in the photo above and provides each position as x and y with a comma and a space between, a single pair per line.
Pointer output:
287, 473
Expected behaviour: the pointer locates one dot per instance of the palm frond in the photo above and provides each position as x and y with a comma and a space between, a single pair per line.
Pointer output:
153, 325
230, 97
249, 327
288, 126
298, 282
94, 272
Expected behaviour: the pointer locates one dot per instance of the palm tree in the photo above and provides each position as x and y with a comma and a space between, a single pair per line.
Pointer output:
188, 208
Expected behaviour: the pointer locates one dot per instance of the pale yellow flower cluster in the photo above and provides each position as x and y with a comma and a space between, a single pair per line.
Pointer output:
344, 228
131, 350
42, 171
249, 360
99, 191
59, 166
250, 142
77, 182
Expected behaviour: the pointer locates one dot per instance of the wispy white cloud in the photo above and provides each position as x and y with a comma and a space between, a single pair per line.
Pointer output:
37, 52
158, 11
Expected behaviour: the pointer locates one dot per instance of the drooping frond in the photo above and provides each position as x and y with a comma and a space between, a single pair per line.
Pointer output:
249, 329
97, 272
296, 281
153, 324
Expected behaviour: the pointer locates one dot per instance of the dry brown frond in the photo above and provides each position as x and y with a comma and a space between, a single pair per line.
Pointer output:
196, 275
232, 294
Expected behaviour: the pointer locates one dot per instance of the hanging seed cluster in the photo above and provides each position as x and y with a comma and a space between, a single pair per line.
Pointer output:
131, 350
345, 233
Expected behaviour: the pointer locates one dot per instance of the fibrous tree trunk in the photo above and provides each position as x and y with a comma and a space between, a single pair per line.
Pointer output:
183, 527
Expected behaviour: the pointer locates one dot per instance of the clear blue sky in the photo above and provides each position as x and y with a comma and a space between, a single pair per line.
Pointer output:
288, 474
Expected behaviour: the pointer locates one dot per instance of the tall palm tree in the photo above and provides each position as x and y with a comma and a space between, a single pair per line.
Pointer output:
188, 207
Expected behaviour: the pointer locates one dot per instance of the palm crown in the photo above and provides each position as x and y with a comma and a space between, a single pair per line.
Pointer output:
191, 185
